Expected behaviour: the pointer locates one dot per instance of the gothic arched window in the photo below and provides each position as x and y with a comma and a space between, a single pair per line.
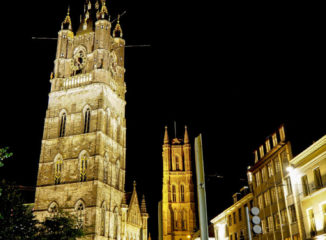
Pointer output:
58, 170
117, 169
87, 119
174, 195
115, 224
80, 211
184, 220
83, 167
103, 220
63, 125
182, 193
53, 209
105, 168
177, 164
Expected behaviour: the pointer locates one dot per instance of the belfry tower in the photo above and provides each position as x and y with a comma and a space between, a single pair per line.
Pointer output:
178, 204
83, 154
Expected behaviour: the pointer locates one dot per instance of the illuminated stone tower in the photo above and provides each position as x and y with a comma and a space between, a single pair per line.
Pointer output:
83, 154
178, 204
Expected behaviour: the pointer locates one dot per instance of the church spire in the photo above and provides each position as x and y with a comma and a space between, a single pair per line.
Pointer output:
66, 24
166, 136
143, 205
186, 137
117, 32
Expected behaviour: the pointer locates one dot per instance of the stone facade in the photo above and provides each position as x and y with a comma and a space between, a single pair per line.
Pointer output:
82, 164
178, 204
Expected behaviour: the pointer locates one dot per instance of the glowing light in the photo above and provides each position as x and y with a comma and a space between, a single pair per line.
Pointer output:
188, 236
290, 169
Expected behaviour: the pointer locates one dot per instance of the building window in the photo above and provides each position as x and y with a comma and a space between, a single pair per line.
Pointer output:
58, 170
230, 220
80, 215
235, 236
184, 220
283, 217
260, 202
270, 169
87, 120
182, 193
264, 174
277, 221
273, 195
288, 186
270, 223
234, 218
280, 192
277, 165
305, 186
103, 220
240, 214
117, 170
285, 160
267, 198
263, 225
83, 168
105, 168
258, 179
324, 215
177, 167
317, 178
293, 214
312, 223
174, 195
63, 125
53, 209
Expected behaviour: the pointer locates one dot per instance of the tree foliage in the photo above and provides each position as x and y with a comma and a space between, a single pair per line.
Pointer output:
60, 226
18, 221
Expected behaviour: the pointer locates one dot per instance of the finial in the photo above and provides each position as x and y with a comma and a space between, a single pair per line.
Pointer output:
166, 136
67, 20
149, 236
134, 184
51, 76
104, 11
124, 199
118, 29
143, 205
97, 5
186, 137
89, 5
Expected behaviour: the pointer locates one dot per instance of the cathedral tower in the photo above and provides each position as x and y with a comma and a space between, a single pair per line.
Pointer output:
83, 155
178, 204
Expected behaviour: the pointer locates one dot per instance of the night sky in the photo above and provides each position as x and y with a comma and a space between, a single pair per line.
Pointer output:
233, 72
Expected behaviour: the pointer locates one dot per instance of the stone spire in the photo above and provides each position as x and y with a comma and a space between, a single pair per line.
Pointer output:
117, 32
186, 137
143, 208
166, 136
66, 24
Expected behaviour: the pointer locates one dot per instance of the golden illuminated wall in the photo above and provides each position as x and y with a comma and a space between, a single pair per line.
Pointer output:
308, 174
83, 155
271, 188
178, 206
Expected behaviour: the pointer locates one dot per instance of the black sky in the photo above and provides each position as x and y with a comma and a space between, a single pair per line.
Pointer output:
233, 72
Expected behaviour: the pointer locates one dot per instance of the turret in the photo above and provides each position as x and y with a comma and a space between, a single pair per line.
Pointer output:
166, 151
103, 28
187, 151
64, 48
144, 215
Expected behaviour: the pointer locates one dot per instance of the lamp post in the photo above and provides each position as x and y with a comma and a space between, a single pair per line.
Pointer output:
201, 188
